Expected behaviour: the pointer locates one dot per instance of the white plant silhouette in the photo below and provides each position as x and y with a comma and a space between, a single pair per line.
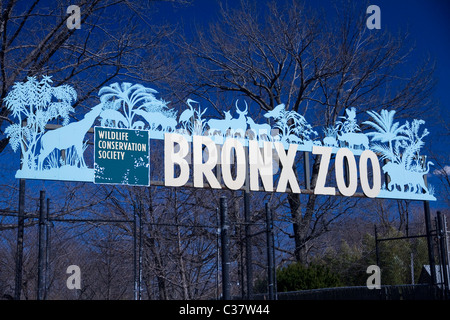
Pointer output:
387, 130
123, 100
293, 126
36, 103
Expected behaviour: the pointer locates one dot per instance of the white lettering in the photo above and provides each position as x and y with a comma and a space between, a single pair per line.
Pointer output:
74, 20
374, 281
364, 175
261, 164
287, 173
352, 177
171, 157
323, 170
204, 169
374, 21
226, 157
74, 281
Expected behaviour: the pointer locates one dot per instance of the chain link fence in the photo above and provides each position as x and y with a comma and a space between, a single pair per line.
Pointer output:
66, 258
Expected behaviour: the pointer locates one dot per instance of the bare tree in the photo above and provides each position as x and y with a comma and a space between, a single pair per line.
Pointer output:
284, 52
116, 40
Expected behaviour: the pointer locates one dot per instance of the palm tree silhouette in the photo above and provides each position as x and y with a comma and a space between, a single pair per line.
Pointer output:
388, 130
127, 97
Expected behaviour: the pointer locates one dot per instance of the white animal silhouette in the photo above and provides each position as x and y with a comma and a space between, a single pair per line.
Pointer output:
187, 114
112, 116
239, 125
259, 130
68, 136
156, 119
353, 140
220, 125
276, 112
400, 177
330, 142
351, 113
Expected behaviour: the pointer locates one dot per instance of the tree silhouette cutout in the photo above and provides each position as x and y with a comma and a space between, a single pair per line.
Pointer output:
124, 102
293, 126
36, 103
387, 130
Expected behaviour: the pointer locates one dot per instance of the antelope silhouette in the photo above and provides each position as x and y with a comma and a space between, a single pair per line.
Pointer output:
220, 125
68, 136
239, 125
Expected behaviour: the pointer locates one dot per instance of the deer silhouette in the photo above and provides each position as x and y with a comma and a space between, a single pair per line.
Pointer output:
220, 125
239, 125
68, 136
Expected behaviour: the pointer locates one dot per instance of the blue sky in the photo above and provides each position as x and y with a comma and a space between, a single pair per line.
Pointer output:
427, 21
428, 25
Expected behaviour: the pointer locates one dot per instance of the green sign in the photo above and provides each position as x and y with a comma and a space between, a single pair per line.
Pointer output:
121, 156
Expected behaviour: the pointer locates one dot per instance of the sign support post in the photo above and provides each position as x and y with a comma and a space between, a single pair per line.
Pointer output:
41, 252
224, 225
443, 252
270, 257
426, 205
20, 229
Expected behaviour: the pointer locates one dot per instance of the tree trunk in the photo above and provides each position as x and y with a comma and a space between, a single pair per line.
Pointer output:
302, 222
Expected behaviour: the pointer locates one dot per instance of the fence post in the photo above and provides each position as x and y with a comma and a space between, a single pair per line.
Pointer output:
377, 253
307, 170
224, 225
248, 245
135, 254
19, 251
47, 248
426, 206
443, 252
140, 252
41, 249
270, 258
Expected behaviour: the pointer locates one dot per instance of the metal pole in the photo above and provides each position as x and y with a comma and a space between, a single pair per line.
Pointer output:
426, 205
248, 232
377, 254
47, 248
248, 245
140, 253
306, 169
443, 253
135, 255
19, 250
270, 273
218, 255
274, 265
446, 238
41, 250
224, 225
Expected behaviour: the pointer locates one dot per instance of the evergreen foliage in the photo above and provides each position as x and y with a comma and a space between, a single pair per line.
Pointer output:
296, 276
